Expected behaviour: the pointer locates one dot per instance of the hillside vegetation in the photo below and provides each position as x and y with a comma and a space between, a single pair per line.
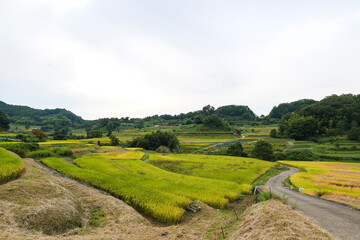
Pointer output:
279, 111
334, 115
28, 115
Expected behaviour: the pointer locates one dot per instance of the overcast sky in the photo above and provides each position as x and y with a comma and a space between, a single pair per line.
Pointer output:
139, 57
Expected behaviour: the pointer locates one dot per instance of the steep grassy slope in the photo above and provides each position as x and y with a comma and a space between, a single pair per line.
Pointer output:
10, 166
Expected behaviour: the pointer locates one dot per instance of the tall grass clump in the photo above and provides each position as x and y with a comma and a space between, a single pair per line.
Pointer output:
63, 152
40, 154
10, 166
20, 149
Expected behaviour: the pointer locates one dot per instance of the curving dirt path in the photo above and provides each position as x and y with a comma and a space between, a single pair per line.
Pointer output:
339, 220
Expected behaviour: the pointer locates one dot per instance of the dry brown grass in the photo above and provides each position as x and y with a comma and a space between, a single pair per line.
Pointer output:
37, 202
274, 220
343, 199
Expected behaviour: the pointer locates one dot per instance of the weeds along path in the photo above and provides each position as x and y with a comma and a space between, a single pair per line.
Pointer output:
339, 220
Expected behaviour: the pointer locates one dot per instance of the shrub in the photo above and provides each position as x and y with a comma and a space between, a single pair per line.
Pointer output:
273, 133
236, 149
298, 127
354, 134
26, 138
213, 122
263, 196
163, 149
114, 141
21, 149
263, 150
156, 139
320, 192
4, 122
40, 154
64, 152
39, 134
301, 155
94, 134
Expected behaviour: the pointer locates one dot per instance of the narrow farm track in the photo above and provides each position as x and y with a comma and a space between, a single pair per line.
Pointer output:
339, 220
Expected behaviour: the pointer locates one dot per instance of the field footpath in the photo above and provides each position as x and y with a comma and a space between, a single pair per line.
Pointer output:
337, 219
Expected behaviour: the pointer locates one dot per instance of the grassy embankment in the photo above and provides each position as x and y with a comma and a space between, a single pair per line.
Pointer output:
10, 166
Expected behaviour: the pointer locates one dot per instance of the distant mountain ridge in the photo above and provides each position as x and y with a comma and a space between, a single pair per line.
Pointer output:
27, 115
333, 107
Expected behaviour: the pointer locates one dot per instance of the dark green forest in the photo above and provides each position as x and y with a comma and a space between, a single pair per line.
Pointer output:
334, 115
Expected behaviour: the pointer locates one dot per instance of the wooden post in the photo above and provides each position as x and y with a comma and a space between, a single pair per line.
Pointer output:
270, 191
236, 215
222, 230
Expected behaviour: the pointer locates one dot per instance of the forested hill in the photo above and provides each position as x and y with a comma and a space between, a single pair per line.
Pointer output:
231, 113
278, 111
333, 115
31, 116
335, 111
346, 106
242, 112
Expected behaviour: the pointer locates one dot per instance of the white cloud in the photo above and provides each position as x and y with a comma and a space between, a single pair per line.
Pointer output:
99, 62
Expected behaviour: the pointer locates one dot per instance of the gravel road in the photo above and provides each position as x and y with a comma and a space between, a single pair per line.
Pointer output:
339, 220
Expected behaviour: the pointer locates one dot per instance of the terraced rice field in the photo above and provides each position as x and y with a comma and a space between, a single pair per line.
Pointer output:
157, 193
10, 166
337, 181
192, 142
235, 169
130, 155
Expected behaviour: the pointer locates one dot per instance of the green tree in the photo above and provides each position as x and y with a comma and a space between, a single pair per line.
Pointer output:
152, 141
114, 141
354, 134
298, 127
213, 121
60, 133
92, 133
187, 121
39, 134
110, 126
263, 150
342, 126
273, 133
227, 125
208, 110
4, 122
236, 149
140, 124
